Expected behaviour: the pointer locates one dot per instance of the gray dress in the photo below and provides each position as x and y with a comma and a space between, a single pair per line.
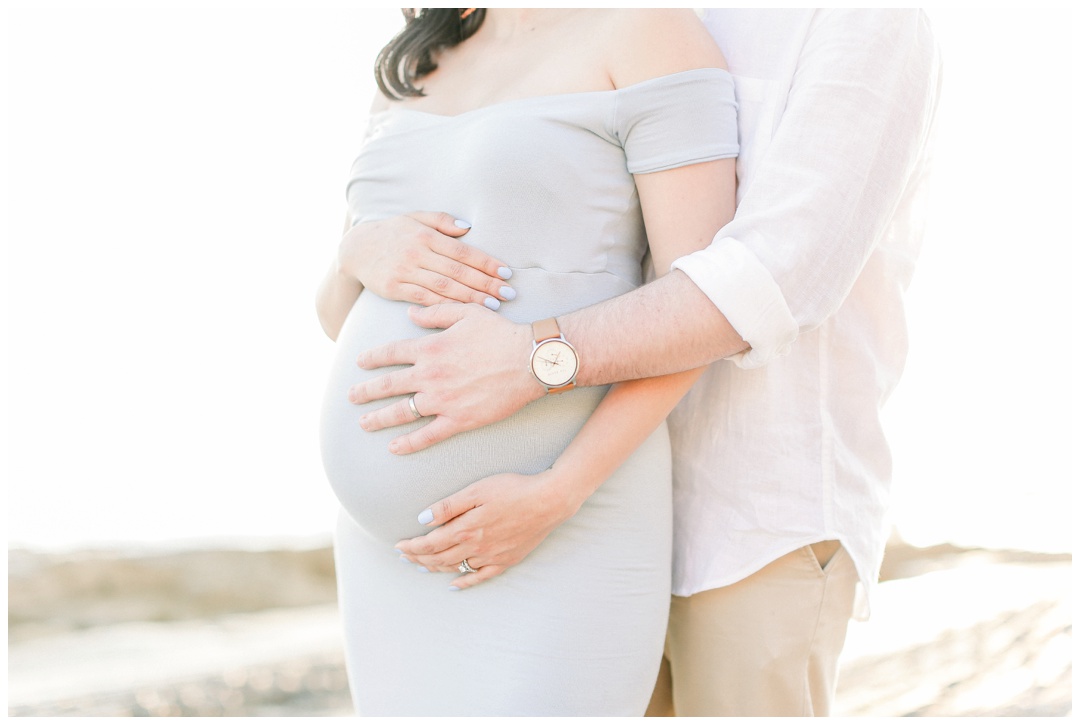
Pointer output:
578, 627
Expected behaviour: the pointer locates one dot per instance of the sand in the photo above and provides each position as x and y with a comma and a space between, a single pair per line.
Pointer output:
954, 632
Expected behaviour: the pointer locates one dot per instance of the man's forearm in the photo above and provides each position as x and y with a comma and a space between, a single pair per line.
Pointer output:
666, 326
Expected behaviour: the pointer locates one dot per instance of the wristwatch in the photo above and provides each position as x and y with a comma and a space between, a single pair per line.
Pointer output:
554, 361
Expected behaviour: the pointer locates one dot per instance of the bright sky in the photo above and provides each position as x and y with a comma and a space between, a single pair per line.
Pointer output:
175, 192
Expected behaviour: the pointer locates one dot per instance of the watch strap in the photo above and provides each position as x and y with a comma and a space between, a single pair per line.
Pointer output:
545, 329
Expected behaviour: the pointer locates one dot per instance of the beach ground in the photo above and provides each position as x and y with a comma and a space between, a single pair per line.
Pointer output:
953, 632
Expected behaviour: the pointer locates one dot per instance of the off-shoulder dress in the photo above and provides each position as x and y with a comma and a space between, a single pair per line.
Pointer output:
578, 627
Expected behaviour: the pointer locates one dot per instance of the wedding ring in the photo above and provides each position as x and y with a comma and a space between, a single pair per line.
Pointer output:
412, 407
464, 567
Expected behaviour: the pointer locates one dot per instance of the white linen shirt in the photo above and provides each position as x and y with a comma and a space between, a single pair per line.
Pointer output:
781, 446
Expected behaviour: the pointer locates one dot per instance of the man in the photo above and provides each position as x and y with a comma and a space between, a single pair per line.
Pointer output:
781, 467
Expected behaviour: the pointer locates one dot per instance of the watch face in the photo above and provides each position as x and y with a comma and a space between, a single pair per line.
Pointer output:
554, 363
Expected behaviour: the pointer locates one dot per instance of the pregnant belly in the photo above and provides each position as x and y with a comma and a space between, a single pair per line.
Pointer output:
383, 492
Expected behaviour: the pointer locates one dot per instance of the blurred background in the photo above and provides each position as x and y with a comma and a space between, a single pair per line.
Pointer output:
174, 192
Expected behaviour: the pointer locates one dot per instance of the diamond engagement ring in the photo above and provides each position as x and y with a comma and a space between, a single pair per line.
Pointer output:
464, 567
412, 407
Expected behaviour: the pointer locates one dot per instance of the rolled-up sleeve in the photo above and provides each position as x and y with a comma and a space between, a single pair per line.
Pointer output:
853, 129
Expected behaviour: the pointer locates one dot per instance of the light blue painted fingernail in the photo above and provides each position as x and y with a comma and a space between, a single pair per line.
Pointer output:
400, 552
455, 589
508, 293
505, 272
462, 224
426, 517
423, 569
492, 304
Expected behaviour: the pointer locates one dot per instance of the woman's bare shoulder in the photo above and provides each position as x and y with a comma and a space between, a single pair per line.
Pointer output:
648, 43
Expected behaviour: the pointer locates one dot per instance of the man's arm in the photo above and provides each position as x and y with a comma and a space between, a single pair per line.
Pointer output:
666, 326
848, 149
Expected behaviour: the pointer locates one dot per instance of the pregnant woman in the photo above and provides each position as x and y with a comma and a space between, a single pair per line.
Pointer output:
573, 142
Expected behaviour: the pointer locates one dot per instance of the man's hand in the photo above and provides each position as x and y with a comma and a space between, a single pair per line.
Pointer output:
472, 374
494, 523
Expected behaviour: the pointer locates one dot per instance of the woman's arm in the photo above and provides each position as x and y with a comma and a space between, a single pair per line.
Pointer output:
496, 522
336, 295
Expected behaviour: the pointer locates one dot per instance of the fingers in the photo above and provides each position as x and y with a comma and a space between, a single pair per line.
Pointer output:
395, 414
426, 436
456, 249
399, 352
450, 562
471, 257
391, 384
449, 508
427, 288
442, 316
408, 292
481, 575
445, 541
441, 222
436, 548
454, 282
453, 541
461, 272
447, 273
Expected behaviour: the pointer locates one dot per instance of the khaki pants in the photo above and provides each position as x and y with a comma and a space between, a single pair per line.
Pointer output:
766, 645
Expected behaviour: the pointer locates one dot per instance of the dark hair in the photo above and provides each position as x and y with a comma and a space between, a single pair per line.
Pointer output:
408, 55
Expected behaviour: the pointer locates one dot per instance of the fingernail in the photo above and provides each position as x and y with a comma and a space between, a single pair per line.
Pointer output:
423, 569
364, 422
403, 560
491, 303
505, 272
394, 446
426, 517
455, 589
508, 293
462, 224
399, 551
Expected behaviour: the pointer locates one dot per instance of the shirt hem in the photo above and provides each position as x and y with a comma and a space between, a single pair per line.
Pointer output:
862, 598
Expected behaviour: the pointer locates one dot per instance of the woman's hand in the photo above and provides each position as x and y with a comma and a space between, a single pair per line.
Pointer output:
494, 523
419, 258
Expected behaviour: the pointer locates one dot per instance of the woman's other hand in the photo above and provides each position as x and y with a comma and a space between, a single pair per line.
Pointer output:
494, 523
419, 258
